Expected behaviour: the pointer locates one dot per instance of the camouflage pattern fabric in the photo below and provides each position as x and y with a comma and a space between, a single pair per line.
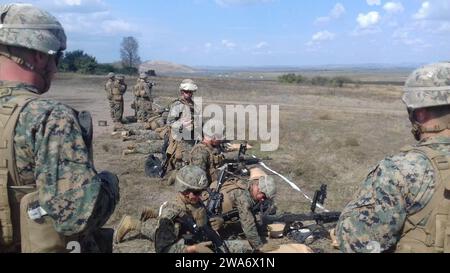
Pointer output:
428, 86
116, 110
207, 158
108, 89
148, 147
173, 210
182, 110
46, 34
51, 153
144, 109
397, 187
243, 202
144, 134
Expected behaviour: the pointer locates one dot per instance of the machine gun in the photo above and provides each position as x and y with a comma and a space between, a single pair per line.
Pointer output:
295, 227
238, 164
263, 207
202, 234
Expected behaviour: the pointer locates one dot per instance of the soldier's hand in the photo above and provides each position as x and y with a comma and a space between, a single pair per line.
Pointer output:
200, 248
148, 213
216, 222
334, 242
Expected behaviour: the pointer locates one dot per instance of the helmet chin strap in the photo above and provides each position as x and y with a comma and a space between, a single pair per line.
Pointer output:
442, 123
43, 74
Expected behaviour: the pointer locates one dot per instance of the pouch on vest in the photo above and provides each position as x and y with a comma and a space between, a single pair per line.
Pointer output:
38, 235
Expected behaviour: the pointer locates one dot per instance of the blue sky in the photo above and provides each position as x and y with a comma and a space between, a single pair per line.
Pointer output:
260, 32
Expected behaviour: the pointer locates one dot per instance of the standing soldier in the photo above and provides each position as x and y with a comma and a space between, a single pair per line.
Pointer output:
182, 119
50, 192
403, 205
143, 101
109, 87
119, 88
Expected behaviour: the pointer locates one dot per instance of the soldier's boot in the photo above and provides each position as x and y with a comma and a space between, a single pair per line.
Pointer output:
126, 225
118, 126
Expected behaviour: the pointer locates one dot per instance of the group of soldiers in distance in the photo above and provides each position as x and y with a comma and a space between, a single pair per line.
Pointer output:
53, 199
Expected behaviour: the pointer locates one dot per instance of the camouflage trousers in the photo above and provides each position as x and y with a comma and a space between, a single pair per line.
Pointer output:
148, 229
148, 147
116, 110
144, 109
144, 134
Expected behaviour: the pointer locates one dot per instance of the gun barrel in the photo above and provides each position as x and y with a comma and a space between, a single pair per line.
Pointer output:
325, 217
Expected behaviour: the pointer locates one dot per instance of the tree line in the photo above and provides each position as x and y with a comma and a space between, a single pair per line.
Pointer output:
78, 61
338, 81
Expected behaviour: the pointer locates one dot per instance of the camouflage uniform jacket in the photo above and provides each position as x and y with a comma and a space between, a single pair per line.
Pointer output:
241, 200
182, 110
50, 153
208, 158
397, 187
173, 210
142, 89
108, 88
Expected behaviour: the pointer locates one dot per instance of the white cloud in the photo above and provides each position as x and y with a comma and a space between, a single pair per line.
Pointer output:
368, 20
337, 11
116, 26
393, 7
73, 6
403, 36
373, 2
228, 44
227, 3
320, 37
262, 45
434, 10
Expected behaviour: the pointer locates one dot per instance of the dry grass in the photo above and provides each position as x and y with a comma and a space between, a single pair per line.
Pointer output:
327, 135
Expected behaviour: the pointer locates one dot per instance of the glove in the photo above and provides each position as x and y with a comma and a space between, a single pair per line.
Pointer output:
148, 213
334, 242
216, 223
203, 247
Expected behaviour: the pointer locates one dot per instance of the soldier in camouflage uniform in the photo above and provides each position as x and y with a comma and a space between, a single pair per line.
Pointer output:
167, 230
119, 88
145, 148
402, 205
208, 153
182, 119
243, 196
144, 100
50, 192
109, 87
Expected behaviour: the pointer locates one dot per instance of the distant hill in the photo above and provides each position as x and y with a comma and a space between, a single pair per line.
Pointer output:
163, 67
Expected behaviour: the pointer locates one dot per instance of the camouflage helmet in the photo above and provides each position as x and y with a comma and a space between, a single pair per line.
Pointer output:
23, 25
188, 85
267, 186
191, 178
120, 77
214, 128
111, 75
428, 86
143, 75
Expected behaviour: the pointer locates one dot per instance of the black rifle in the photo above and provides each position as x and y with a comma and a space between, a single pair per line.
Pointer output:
294, 221
202, 234
263, 207
214, 204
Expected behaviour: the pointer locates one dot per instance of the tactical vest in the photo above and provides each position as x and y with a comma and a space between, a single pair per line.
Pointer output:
139, 90
23, 222
226, 189
116, 92
428, 230
11, 188
215, 160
